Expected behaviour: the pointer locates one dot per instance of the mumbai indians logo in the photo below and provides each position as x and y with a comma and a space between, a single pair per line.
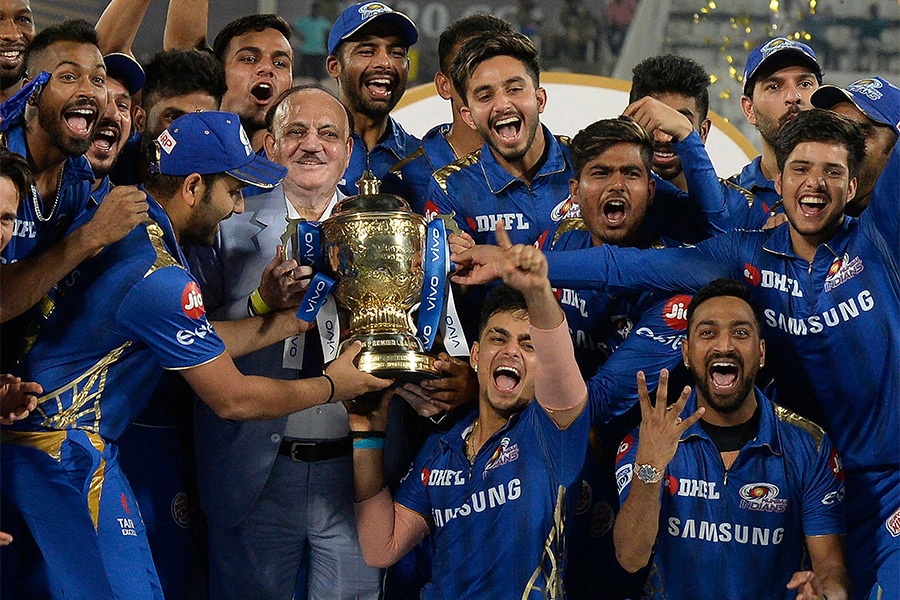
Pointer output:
245, 141
778, 44
762, 497
373, 8
502, 455
842, 270
566, 208
867, 87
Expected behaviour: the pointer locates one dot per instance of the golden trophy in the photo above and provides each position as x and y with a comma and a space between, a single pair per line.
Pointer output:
373, 245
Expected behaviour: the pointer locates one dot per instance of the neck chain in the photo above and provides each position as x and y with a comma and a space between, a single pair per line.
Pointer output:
471, 450
36, 199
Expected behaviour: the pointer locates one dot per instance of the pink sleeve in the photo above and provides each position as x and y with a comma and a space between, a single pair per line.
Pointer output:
387, 530
559, 385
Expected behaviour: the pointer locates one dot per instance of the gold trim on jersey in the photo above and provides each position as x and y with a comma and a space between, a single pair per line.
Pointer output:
163, 257
85, 389
50, 442
565, 226
554, 551
405, 161
747, 193
441, 175
791, 418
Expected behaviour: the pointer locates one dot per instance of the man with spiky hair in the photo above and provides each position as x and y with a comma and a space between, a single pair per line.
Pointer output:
52, 124
682, 84
368, 57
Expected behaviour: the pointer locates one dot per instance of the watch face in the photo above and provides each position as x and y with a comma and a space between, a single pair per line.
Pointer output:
648, 473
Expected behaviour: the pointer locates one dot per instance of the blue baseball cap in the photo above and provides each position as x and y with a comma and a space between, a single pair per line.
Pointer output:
125, 68
357, 16
792, 51
875, 97
213, 142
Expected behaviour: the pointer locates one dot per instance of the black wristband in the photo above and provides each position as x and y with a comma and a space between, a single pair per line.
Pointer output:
331, 383
361, 435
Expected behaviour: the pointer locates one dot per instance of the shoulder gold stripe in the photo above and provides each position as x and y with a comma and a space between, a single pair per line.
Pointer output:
565, 226
792, 418
747, 193
457, 165
163, 257
396, 169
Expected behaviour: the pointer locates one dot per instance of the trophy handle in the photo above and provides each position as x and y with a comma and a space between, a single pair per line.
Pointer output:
289, 232
450, 223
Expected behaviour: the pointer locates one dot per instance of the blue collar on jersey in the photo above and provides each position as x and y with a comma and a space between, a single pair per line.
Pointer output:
498, 178
768, 436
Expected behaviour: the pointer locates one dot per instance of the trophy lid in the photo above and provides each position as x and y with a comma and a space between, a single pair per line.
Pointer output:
370, 198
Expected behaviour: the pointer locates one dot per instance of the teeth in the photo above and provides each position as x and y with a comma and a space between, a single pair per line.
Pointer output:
507, 121
265, 85
616, 204
722, 364
512, 370
83, 111
381, 81
10, 54
813, 201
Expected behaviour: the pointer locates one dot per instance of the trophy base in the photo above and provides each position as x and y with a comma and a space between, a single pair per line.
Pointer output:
394, 356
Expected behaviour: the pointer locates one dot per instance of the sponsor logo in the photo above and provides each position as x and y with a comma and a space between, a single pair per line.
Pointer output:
692, 488
442, 477
562, 209
602, 519
893, 523
491, 498
568, 297
675, 312
192, 301
511, 222
751, 274
166, 142
186, 337
842, 270
24, 229
867, 87
624, 447
833, 497
623, 476
846, 310
181, 512
836, 464
127, 526
673, 341
585, 498
762, 497
431, 210
724, 532
502, 455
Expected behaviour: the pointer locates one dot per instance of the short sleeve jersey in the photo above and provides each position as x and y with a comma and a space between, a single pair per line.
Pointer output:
514, 494
741, 531
118, 321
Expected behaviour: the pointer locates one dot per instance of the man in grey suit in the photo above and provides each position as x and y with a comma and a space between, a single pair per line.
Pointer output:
274, 490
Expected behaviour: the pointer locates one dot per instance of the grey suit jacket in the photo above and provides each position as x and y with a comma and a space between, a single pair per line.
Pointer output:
234, 459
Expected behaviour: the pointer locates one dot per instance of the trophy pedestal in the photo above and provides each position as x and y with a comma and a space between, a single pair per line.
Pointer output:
394, 356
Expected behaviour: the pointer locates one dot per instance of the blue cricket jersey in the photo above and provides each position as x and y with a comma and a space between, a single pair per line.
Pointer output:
416, 169
393, 146
522, 472
740, 532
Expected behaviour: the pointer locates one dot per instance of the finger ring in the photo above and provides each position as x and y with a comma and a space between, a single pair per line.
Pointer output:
670, 407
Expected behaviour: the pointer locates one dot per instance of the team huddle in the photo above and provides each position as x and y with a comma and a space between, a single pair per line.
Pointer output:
679, 385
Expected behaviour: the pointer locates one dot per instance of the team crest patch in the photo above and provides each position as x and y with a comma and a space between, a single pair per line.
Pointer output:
245, 141
373, 8
762, 497
564, 209
181, 512
867, 87
505, 453
602, 519
842, 270
893, 523
778, 44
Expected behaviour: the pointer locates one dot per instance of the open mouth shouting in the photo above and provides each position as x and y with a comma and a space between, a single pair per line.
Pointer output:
812, 205
380, 86
263, 92
107, 136
80, 120
506, 379
614, 212
724, 375
508, 128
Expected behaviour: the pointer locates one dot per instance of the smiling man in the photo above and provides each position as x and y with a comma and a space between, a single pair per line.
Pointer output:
16, 32
726, 477
367, 56
522, 172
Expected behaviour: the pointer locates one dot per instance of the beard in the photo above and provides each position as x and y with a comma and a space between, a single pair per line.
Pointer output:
732, 402
510, 154
203, 225
769, 128
373, 109
56, 131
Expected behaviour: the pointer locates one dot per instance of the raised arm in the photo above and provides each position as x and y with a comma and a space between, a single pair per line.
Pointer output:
187, 22
637, 524
118, 25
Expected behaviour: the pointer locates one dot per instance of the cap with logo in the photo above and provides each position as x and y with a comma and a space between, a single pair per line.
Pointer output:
212, 142
123, 67
790, 52
875, 97
357, 16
